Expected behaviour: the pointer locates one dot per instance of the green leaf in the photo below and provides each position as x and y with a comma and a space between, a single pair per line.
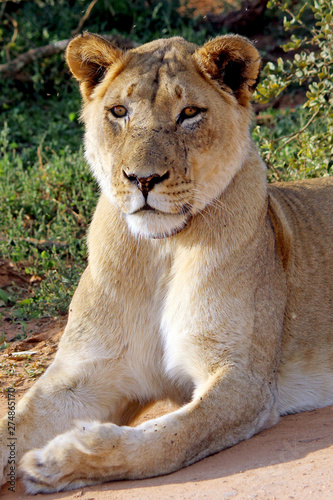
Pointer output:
4, 296
25, 302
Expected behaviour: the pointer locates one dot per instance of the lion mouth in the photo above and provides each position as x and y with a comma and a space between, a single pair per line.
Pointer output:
147, 208
154, 224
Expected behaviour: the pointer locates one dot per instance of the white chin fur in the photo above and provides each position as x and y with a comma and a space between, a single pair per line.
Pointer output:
152, 225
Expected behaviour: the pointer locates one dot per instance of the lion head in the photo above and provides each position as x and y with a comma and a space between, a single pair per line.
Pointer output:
166, 124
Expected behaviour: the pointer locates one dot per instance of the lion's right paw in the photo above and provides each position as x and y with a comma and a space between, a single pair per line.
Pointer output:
69, 461
37, 476
49, 469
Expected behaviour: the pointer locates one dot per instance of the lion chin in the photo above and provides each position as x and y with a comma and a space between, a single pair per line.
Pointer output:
156, 225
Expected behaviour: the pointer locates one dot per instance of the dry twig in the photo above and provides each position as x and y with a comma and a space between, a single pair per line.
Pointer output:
14, 36
85, 17
293, 136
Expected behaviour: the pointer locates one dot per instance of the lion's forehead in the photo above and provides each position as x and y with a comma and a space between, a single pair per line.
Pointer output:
157, 77
175, 47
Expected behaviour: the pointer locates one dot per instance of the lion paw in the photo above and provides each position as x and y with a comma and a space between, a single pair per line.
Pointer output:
43, 472
69, 461
53, 467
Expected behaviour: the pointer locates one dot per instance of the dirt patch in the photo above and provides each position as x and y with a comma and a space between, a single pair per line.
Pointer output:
23, 361
9, 275
27, 348
202, 7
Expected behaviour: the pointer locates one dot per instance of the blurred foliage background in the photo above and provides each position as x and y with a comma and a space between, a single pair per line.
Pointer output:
47, 194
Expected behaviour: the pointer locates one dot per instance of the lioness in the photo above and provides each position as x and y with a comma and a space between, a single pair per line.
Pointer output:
204, 285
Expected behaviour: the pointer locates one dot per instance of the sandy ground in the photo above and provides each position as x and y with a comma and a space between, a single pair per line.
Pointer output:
293, 460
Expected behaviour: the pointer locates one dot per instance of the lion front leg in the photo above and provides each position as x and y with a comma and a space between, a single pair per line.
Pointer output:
66, 392
218, 417
95, 376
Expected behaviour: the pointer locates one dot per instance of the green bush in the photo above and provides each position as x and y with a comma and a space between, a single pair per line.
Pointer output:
45, 208
306, 150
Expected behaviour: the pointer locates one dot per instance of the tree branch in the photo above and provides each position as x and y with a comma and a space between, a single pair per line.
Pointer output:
293, 136
14, 36
12, 68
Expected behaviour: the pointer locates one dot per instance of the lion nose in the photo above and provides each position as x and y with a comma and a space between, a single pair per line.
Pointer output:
146, 184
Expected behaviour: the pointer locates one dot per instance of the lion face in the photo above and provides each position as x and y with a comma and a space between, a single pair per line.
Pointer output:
166, 128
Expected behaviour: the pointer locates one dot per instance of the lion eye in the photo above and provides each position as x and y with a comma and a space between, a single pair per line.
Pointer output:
189, 112
119, 111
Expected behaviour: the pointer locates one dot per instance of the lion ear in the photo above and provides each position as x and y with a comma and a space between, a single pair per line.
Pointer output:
233, 62
89, 57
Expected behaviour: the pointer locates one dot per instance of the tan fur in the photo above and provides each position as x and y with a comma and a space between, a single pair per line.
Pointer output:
219, 299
